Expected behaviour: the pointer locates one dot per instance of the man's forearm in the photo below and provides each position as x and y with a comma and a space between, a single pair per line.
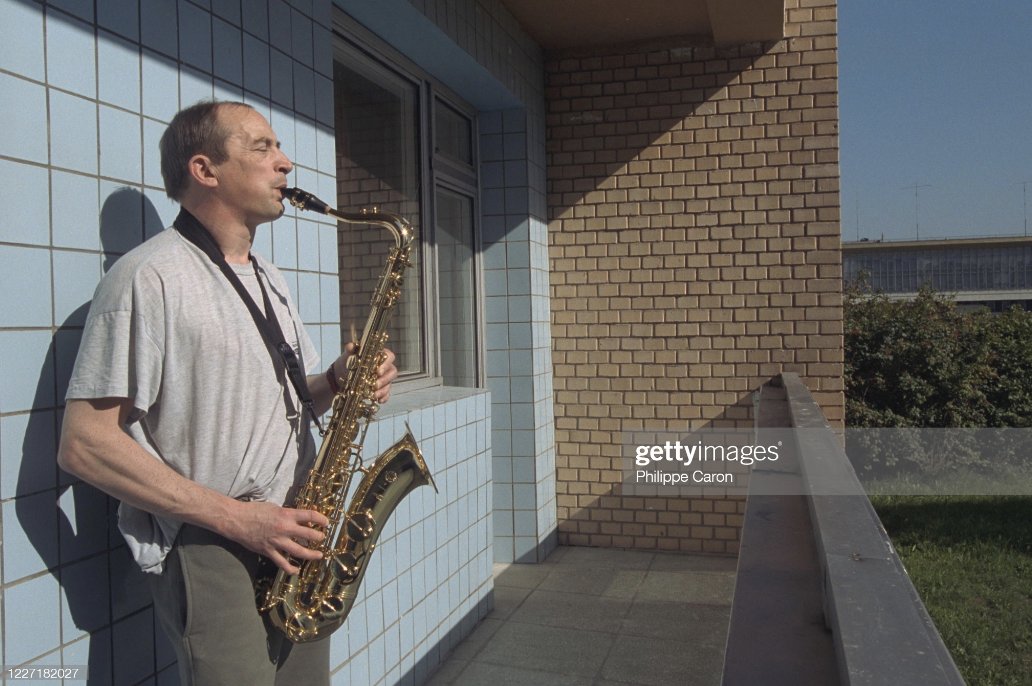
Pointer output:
95, 449
322, 395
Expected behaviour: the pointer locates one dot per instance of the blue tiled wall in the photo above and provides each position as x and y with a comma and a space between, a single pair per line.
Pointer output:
518, 345
429, 581
95, 83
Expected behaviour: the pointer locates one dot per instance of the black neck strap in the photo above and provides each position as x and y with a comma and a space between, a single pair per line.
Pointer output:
267, 324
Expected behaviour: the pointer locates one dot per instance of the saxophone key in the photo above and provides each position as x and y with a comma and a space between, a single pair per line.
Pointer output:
361, 526
345, 567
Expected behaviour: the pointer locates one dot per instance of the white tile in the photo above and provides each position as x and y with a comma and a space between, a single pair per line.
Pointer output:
71, 55
301, 38
75, 278
31, 619
194, 36
30, 535
21, 134
120, 17
25, 193
121, 218
160, 86
282, 79
228, 51
25, 284
21, 34
118, 64
121, 155
256, 65
28, 445
256, 18
73, 132
194, 86
75, 210
85, 600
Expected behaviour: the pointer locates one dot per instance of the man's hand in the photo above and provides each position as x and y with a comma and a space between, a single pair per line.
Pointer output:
386, 373
274, 532
324, 386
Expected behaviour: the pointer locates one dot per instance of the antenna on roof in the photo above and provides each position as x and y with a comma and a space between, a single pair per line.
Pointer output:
1024, 203
917, 214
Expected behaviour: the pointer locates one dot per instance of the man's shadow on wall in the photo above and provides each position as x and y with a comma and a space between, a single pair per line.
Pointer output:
106, 604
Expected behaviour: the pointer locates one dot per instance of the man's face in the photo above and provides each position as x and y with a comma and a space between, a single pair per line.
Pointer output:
252, 177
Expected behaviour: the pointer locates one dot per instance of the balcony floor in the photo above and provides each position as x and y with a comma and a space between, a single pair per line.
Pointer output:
602, 617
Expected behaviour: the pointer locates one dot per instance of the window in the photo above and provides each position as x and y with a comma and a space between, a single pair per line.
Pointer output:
376, 124
405, 146
456, 290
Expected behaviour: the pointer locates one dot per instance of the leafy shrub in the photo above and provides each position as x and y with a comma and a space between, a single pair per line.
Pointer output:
926, 363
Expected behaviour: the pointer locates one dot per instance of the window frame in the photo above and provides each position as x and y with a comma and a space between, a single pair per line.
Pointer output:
435, 171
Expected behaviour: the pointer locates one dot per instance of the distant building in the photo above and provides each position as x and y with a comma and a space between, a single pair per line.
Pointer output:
991, 272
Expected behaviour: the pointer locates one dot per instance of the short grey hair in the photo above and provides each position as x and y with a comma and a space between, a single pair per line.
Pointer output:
194, 130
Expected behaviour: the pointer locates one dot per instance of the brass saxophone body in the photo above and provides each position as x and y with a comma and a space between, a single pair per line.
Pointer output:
314, 602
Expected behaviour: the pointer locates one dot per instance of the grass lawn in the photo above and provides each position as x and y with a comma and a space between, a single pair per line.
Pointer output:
970, 558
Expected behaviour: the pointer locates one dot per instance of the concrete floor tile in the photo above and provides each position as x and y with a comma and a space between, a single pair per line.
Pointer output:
571, 652
447, 673
709, 588
481, 673
471, 645
674, 562
607, 558
662, 662
506, 600
606, 583
571, 610
557, 555
520, 576
691, 624
601, 617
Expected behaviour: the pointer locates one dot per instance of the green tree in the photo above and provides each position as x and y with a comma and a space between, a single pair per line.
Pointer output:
926, 363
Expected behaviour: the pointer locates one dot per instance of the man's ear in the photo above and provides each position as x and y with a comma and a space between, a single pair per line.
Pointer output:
203, 171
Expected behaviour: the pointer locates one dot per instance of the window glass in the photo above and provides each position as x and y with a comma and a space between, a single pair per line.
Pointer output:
453, 134
377, 127
456, 292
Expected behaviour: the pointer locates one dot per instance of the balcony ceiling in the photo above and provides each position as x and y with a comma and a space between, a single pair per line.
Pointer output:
572, 24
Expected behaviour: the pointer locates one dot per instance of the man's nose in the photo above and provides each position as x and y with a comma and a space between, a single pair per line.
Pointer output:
284, 164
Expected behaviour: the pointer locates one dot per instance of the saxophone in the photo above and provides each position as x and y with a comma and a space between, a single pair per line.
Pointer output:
314, 602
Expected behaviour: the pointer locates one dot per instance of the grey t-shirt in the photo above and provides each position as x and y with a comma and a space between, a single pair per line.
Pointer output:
167, 330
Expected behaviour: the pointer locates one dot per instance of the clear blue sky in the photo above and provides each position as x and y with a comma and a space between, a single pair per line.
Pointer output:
938, 94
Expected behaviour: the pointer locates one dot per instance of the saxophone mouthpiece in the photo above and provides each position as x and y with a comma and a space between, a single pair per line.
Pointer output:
303, 200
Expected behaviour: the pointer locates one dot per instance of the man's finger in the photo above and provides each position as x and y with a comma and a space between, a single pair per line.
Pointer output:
310, 534
310, 517
282, 562
299, 551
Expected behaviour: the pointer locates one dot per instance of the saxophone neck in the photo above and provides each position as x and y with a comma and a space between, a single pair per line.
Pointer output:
399, 227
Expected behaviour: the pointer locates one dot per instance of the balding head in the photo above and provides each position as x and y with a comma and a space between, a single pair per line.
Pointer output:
195, 130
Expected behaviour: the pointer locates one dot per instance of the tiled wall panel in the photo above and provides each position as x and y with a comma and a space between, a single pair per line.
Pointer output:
96, 83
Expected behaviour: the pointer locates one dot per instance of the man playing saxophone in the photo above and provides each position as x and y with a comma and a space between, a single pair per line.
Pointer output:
180, 405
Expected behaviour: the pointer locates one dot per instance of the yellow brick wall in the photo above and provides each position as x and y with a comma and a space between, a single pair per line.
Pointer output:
694, 244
